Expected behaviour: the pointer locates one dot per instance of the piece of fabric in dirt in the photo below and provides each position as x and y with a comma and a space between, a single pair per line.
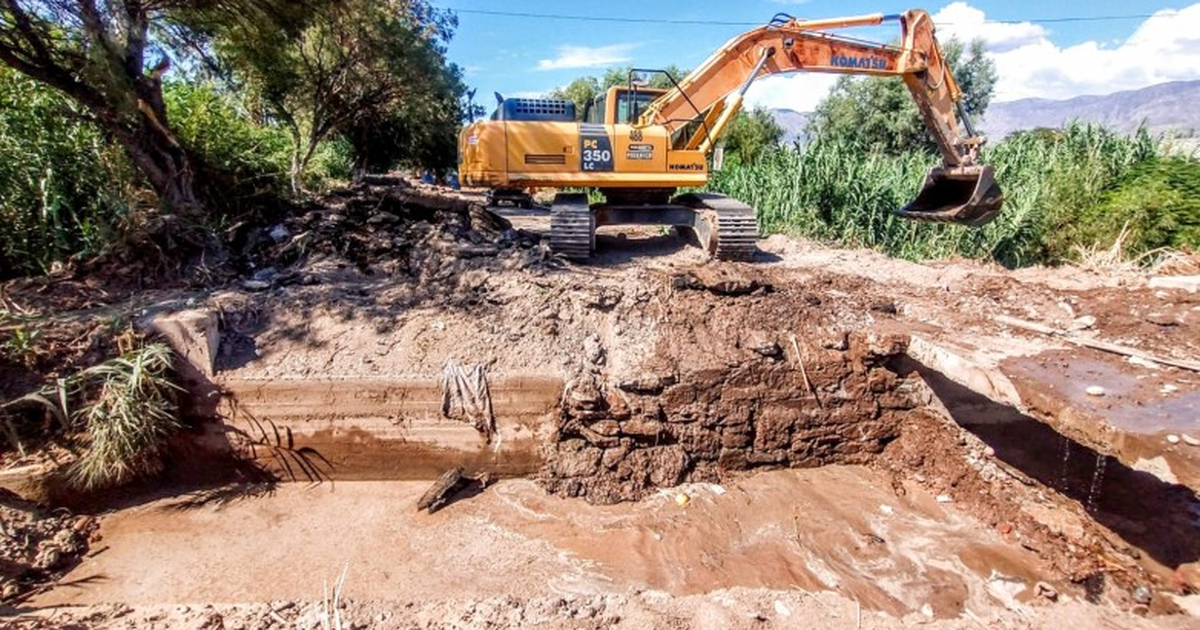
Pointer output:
466, 397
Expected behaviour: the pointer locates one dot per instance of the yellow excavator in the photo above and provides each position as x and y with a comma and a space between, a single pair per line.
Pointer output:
638, 146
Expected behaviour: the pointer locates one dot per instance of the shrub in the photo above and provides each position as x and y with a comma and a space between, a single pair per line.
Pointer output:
64, 190
1053, 181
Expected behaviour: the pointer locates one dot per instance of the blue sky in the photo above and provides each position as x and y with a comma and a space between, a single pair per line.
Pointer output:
525, 56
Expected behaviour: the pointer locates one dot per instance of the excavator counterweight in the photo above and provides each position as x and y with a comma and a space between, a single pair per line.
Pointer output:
638, 146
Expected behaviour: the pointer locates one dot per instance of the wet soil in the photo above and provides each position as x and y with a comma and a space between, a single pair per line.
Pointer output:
678, 371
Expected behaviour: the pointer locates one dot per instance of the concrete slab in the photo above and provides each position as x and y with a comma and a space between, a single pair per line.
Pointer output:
375, 429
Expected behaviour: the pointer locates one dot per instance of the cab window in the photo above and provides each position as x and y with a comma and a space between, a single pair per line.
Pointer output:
625, 109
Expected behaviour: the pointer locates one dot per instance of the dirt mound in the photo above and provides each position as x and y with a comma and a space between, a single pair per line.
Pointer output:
37, 546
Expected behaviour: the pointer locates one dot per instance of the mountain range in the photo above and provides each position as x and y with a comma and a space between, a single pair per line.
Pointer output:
1164, 108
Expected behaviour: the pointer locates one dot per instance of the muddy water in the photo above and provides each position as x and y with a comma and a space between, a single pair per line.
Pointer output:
835, 528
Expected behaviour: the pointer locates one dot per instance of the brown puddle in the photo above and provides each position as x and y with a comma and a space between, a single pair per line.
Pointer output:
838, 528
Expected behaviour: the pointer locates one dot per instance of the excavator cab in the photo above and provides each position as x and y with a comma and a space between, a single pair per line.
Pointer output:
965, 195
620, 105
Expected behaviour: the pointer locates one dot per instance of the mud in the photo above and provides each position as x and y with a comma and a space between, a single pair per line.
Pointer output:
38, 546
650, 379
832, 402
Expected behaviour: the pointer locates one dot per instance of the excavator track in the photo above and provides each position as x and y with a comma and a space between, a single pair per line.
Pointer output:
572, 226
732, 228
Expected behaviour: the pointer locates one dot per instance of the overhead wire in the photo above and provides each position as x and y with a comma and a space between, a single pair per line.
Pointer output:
674, 21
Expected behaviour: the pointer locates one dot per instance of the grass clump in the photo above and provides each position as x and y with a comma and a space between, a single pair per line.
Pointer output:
129, 420
123, 411
1065, 191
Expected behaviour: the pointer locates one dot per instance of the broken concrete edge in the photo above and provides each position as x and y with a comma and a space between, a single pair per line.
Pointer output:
1191, 284
194, 335
986, 378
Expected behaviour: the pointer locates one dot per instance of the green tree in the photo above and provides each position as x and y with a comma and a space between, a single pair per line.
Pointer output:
750, 133
111, 59
581, 91
620, 76
419, 130
878, 114
355, 65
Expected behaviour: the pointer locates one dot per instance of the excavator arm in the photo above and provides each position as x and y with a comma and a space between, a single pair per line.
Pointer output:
960, 191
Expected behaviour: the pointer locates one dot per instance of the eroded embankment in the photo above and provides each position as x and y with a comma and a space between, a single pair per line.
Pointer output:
648, 374
830, 401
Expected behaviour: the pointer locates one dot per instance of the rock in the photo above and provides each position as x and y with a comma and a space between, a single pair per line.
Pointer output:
607, 428
1083, 323
1096, 390
764, 345
612, 457
646, 384
1191, 441
593, 350
255, 285
945, 498
1164, 320
641, 427
1042, 589
1173, 439
605, 298
1144, 363
581, 463
1185, 283
279, 233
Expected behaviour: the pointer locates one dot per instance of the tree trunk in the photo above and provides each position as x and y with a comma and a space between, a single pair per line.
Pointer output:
156, 151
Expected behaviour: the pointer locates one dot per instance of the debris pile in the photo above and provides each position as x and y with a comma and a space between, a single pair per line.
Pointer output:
37, 546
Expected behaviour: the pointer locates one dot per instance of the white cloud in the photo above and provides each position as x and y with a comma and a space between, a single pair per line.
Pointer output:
801, 92
967, 23
1164, 48
572, 57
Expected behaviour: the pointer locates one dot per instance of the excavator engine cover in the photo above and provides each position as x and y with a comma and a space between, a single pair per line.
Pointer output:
967, 195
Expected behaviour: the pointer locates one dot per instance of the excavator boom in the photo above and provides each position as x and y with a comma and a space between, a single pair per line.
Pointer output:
960, 191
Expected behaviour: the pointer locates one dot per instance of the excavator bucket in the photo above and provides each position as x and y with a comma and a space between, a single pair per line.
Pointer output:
967, 195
